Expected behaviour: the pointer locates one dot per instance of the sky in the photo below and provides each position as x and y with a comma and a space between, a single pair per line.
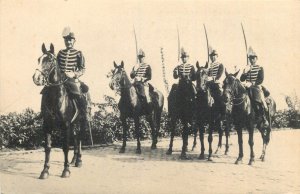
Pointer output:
104, 33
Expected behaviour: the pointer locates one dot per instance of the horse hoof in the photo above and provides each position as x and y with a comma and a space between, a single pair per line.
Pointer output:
78, 163
138, 151
209, 159
66, 173
201, 157
238, 161
44, 175
226, 152
262, 158
169, 152
153, 147
216, 151
183, 156
122, 150
251, 161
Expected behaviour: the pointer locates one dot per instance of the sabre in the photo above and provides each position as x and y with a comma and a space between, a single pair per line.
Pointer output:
206, 44
178, 58
245, 44
136, 45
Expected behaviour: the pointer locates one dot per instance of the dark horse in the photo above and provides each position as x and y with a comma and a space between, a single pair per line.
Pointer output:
58, 109
244, 115
131, 106
181, 107
206, 113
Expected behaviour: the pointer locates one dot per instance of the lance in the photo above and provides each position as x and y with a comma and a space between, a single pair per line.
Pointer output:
245, 44
178, 58
206, 43
136, 45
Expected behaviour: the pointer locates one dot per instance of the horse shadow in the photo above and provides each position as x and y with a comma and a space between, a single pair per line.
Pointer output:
148, 154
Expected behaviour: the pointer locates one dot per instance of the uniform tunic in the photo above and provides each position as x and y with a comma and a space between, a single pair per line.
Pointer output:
255, 75
71, 60
186, 71
215, 70
143, 71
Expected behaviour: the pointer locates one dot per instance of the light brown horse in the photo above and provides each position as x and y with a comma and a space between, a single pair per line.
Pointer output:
131, 106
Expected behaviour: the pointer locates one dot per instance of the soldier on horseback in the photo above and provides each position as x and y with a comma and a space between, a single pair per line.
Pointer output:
71, 62
254, 77
142, 73
215, 71
185, 71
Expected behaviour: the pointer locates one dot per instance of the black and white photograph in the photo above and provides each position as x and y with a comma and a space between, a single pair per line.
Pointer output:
149, 97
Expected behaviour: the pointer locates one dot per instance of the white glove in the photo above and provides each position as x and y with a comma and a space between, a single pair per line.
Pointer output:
247, 84
136, 66
71, 74
210, 79
247, 68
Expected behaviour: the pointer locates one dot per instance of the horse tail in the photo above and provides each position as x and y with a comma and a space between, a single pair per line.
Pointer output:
164, 71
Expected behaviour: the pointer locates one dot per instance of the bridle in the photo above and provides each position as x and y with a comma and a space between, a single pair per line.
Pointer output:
53, 66
234, 94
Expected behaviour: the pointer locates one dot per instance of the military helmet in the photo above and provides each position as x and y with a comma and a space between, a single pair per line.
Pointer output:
67, 33
213, 53
183, 53
141, 53
251, 53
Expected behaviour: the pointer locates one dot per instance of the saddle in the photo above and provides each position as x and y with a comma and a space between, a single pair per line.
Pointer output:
140, 89
255, 95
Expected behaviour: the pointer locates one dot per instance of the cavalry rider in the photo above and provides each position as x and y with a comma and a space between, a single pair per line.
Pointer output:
142, 73
254, 77
215, 71
71, 62
185, 71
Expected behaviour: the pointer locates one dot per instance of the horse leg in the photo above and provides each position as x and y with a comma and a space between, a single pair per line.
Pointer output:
152, 121
66, 143
240, 141
172, 125
227, 128
45, 171
195, 126
79, 139
75, 148
201, 135
220, 131
210, 139
125, 128
185, 141
137, 132
251, 142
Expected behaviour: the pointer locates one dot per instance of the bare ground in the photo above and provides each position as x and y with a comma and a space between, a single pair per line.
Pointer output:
104, 170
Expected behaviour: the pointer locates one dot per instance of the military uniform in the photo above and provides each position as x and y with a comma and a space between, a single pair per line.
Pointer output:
215, 71
254, 76
72, 60
141, 75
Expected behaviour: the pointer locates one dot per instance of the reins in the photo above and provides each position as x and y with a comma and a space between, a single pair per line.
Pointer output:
53, 67
243, 98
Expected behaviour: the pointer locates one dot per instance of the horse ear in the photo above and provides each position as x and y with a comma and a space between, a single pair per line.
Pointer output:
51, 48
236, 73
115, 64
44, 50
122, 64
206, 65
197, 65
226, 72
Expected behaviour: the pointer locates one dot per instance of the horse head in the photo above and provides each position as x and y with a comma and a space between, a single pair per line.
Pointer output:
230, 86
46, 63
117, 75
202, 76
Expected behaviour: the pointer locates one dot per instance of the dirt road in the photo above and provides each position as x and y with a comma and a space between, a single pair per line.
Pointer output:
104, 170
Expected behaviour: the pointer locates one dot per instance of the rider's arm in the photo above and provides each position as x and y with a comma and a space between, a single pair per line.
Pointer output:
176, 72
193, 73
260, 77
80, 69
148, 75
132, 74
220, 72
243, 77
